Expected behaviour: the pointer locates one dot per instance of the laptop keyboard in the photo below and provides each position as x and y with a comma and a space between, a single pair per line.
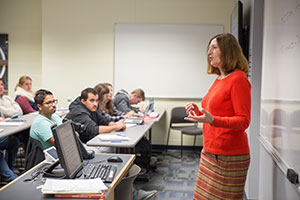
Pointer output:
105, 172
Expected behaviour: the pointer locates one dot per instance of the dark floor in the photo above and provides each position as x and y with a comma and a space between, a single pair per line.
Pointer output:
174, 178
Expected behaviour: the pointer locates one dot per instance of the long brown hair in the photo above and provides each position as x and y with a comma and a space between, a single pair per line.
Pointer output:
232, 57
101, 90
109, 107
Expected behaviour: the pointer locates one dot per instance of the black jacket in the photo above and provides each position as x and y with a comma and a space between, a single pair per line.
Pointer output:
90, 120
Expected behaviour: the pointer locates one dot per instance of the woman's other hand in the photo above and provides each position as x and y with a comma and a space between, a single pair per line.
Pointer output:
206, 117
193, 109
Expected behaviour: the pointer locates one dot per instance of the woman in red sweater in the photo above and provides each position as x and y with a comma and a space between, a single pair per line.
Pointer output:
225, 116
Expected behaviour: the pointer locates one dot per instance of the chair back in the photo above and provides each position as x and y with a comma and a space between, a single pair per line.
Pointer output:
177, 115
34, 153
123, 189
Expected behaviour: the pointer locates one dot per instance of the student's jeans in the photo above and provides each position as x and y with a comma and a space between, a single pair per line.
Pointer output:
5, 171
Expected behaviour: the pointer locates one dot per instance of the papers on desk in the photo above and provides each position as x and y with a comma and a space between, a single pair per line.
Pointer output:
12, 123
73, 186
130, 125
153, 114
110, 137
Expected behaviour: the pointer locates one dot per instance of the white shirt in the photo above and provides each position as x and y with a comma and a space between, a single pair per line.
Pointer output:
8, 107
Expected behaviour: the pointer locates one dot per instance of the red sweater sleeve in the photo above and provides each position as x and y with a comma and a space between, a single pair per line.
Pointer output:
25, 105
240, 93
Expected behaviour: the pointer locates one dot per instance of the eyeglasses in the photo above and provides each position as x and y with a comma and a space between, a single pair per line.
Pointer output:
48, 103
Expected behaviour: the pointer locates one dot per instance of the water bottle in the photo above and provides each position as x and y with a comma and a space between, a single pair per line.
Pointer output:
151, 104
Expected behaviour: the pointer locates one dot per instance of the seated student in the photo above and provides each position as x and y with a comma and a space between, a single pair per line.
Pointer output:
123, 100
8, 107
24, 95
105, 98
5, 172
83, 110
41, 126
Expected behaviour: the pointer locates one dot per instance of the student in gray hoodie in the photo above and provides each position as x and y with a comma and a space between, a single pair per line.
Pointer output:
123, 100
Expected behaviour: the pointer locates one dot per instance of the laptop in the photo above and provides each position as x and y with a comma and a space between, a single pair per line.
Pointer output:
137, 120
71, 158
68, 151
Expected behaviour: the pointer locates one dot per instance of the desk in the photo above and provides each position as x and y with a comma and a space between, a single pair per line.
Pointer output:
29, 118
10, 130
18, 189
134, 133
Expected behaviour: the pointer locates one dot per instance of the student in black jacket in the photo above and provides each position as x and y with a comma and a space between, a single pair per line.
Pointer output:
83, 110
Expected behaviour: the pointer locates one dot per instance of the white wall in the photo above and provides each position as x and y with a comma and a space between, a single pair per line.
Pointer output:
21, 20
67, 45
255, 59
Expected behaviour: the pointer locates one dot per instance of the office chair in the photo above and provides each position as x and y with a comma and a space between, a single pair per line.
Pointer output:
178, 123
123, 190
34, 153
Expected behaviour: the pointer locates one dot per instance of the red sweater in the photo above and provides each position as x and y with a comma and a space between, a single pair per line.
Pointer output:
229, 101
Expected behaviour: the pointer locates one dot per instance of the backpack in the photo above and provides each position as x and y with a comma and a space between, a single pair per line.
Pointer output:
143, 151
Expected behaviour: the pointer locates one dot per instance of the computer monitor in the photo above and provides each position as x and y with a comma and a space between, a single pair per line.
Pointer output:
68, 149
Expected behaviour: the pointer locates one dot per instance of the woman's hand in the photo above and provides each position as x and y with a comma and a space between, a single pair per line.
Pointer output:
192, 109
206, 117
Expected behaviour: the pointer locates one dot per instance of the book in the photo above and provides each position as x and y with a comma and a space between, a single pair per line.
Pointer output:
12, 123
73, 186
81, 196
113, 137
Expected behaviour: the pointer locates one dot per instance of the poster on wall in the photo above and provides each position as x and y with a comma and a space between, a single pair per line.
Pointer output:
4, 59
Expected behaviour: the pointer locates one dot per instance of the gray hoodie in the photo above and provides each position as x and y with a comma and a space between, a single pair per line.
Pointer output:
122, 102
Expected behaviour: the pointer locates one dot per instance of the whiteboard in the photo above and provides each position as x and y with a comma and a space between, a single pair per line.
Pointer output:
281, 50
165, 60
280, 80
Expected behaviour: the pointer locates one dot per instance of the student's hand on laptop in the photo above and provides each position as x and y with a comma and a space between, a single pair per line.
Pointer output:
130, 114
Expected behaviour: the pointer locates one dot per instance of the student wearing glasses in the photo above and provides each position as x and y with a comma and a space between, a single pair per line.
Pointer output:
41, 126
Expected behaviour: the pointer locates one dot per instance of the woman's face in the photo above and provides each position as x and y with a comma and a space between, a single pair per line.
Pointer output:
27, 85
214, 54
109, 96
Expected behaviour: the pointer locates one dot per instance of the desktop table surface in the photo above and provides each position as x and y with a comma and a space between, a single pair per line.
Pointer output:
135, 133
10, 130
18, 189
28, 119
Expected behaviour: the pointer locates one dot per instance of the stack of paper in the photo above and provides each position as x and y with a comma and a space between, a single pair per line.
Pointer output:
73, 186
12, 123
111, 137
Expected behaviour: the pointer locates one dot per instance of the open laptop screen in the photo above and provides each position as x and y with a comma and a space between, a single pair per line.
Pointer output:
67, 148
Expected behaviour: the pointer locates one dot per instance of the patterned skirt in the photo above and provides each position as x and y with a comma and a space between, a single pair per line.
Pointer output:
221, 177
